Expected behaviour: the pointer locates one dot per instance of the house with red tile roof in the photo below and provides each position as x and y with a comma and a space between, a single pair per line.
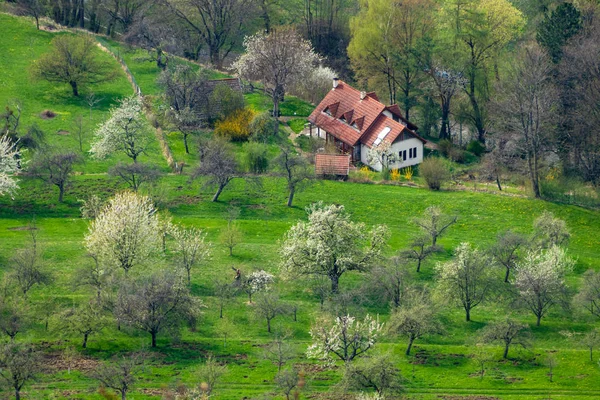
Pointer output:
356, 122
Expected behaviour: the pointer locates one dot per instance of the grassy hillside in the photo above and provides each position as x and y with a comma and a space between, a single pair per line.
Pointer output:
21, 45
439, 366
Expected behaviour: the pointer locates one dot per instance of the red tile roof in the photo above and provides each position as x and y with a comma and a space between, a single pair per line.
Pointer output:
364, 118
332, 164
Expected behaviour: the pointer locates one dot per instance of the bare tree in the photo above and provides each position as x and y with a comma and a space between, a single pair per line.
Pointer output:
210, 374
278, 59
508, 332
224, 291
217, 24
135, 175
19, 364
73, 60
288, 380
94, 275
505, 251
550, 362
279, 351
420, 250
434, 222
187, 94
80, 131
415, 319
589, 293
120, 374
550, 231
27, 264
467, 279
390, 281
295, 168
527, 107
190, 247
156, 303
378, 373
591, 340
85, 320
125, 12
35, 8
54, 168
14, 316
268, 306
218, 165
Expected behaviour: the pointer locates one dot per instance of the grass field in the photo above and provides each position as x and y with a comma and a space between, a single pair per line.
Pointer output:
439, 366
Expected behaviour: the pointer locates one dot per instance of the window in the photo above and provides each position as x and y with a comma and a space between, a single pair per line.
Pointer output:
415, 152
404, 155
410, 153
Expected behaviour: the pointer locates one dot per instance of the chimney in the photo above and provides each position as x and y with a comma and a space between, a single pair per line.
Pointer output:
363, 95
336, 81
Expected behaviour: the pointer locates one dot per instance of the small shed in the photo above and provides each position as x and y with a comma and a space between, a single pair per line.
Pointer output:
332, 164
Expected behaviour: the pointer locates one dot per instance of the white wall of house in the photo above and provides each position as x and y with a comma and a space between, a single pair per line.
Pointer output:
396, 148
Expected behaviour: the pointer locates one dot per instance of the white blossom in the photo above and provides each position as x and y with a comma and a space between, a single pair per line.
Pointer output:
540, 279
126, 231
190, 247
345, 338
381, 156
259, 281
9, 164
126, 130
330, 244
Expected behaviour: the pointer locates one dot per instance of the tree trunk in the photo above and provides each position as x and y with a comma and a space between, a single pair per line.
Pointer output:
216, 198
291, 197
17, 394
268, 325
335, 280
591, 354
74, 87
498, 182
85, 338
419, 265
123, 395
61, 192
409, 347
445, 128
189, 277
539, 320
276, 111
37, 22
505, 354
185, 143
153, 339
468, 314
506, 275
221, 311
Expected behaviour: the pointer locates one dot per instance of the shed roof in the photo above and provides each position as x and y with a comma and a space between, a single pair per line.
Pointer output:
332, 164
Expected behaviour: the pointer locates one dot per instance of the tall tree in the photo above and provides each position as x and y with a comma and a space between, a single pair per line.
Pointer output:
589, 293
508, 332
385, 39
479, 30
506, 250
467, 279
330, 244
278, 59
218, 165
217, 24
73, 60
19, 364
434, 223
190, 248
526, 107
557, 28
121, 373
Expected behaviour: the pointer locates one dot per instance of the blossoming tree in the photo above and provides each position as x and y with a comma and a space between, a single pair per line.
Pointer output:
8, 166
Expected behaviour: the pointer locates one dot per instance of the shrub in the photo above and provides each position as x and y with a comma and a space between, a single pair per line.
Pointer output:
235, 127
457, 155
445, 146
435, 172
255, 158
262, 127
476, 147
395, 175
408, 173
226, 101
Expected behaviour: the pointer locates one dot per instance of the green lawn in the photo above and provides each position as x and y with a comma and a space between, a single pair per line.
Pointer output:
443, 366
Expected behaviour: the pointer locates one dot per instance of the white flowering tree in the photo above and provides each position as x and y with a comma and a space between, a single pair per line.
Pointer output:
125, 233
279, 59
382, 155
330, 244
126, 130
9, 164
257, 281
190, 248
345, 338
467, 279
540, 279
550, 231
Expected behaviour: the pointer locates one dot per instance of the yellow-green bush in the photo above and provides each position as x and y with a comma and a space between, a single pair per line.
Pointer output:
235, 127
